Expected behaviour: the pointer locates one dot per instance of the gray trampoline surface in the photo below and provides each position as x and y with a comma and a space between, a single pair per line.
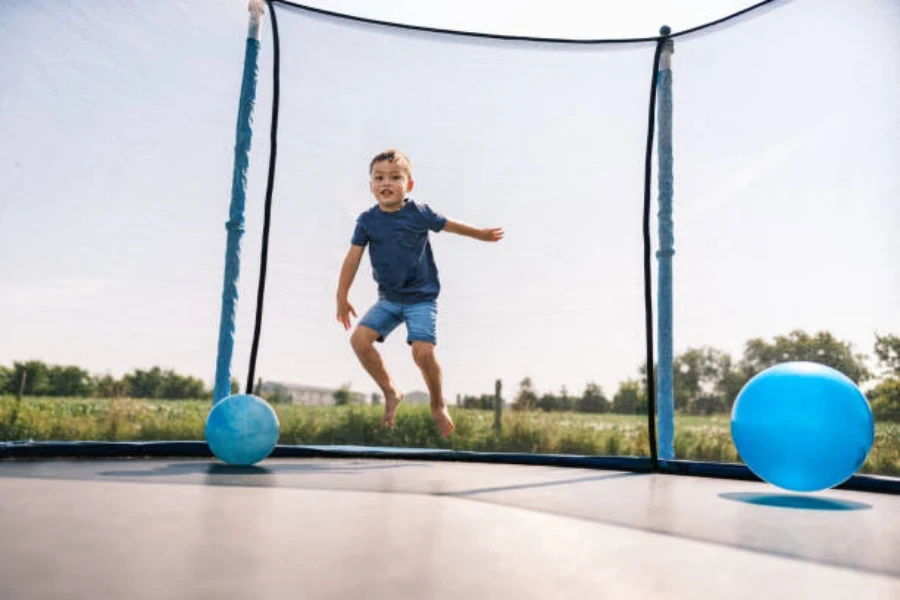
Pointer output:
378, 529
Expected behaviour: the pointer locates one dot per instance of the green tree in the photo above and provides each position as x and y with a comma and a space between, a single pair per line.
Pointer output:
730, 386
885, 397
143, 384
107, 386
885, 400
69, 381
342, 396
700, 372
822, 348
482, 402
5, 378
707, 404
174, 387
887, 350
551, 402
593, 400
565, 402
37, 381
631, 398
526, 399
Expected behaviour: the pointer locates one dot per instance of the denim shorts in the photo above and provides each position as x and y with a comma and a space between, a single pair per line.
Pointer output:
420, 319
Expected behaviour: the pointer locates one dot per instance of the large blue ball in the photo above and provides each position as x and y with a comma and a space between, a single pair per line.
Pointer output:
802, 426
242, 429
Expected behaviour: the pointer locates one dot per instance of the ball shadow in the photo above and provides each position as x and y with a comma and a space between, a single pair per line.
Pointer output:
794, 501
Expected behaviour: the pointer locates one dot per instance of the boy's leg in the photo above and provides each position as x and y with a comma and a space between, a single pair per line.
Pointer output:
421, 325
424, 356
374, 326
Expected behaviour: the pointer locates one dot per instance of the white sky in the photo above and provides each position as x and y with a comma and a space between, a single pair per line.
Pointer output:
115, 177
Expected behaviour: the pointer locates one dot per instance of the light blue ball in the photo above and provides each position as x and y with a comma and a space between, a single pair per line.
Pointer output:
242, 429
802, 426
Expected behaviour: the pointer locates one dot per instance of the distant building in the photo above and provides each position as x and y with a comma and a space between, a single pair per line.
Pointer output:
306, 395
416, 398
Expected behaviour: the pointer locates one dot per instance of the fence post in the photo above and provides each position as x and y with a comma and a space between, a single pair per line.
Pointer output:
498, 407
22, 386
14, 416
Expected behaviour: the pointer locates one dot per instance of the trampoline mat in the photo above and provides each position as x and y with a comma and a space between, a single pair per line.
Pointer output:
360, 528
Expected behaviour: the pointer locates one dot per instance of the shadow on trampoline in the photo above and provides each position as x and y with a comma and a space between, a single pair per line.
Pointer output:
795, 501
525, 486
214, 473
222, 472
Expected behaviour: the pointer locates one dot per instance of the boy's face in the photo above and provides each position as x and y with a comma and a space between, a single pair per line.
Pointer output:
390, 182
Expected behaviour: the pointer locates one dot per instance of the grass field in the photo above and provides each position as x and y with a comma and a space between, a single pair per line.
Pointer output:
696, 438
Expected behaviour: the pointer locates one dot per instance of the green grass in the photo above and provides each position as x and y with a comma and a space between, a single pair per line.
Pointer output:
696, 438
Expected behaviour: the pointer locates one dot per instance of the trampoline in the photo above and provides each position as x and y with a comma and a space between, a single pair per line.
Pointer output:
593, 153
346, 528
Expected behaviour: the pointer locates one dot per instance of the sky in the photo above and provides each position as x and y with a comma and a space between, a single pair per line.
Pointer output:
116, 176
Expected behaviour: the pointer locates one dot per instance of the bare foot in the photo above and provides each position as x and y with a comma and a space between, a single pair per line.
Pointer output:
391, 401
442, 420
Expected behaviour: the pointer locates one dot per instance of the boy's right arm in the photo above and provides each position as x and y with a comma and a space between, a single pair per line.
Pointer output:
348, 272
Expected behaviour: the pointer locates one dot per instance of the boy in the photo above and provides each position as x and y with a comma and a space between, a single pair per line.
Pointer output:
396, 231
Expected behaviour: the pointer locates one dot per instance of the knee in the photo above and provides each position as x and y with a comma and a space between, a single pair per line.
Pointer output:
423, 354
360, 341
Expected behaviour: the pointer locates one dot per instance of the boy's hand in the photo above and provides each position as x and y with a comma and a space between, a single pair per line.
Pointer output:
344, 310
490, 234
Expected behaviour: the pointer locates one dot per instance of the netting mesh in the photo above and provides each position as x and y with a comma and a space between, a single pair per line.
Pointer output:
549, 300
784, 194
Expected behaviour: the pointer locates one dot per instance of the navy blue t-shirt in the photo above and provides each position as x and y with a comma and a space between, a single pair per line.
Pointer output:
402, 261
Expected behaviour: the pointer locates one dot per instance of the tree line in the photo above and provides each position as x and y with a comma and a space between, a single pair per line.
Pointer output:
36, 378
707, 380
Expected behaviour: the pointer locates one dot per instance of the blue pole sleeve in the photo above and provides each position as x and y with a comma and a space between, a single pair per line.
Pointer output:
665, 376
235, 224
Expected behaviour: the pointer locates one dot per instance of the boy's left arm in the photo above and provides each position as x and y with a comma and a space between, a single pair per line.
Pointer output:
486, 234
